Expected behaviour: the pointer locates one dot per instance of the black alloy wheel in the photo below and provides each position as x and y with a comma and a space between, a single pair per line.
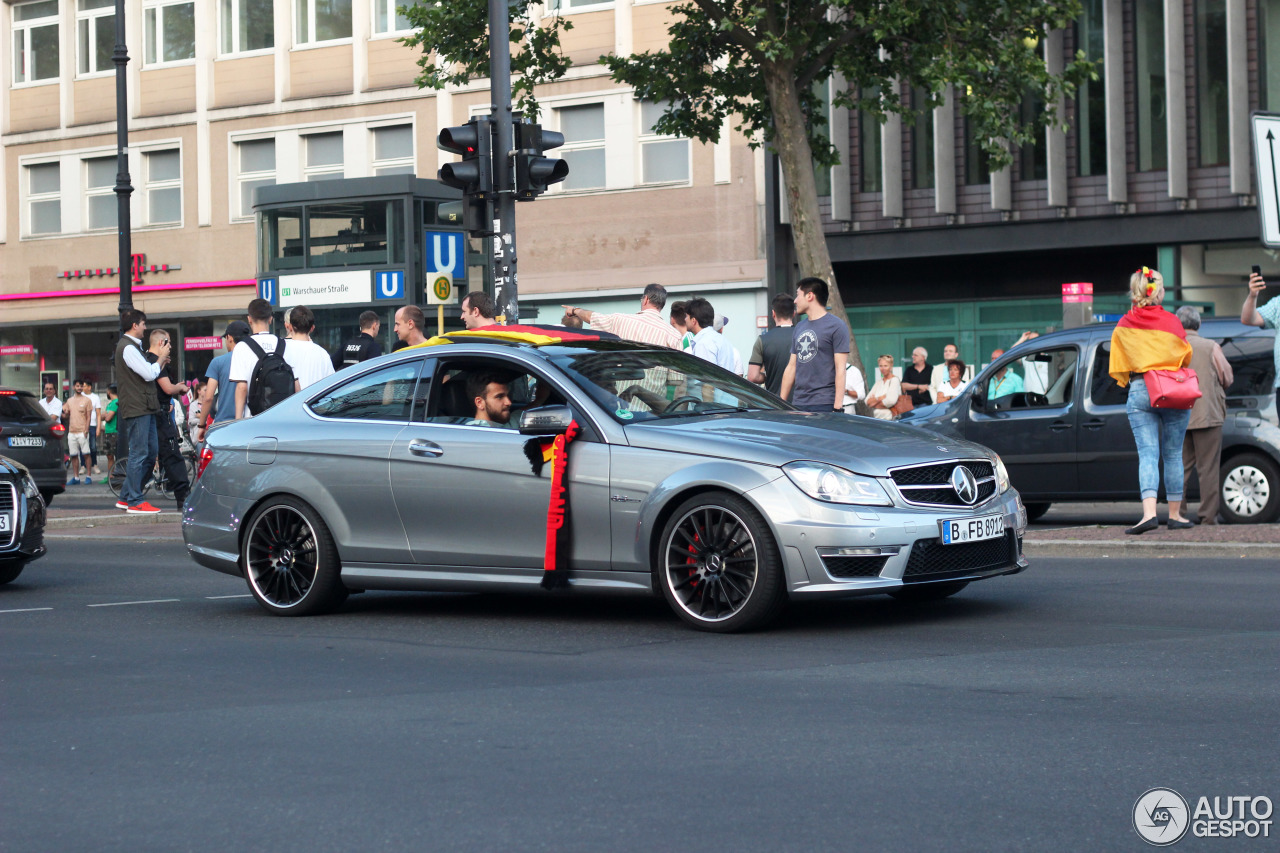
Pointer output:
290, 561
718, 566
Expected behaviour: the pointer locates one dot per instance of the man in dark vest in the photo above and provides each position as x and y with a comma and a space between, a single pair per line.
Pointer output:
772, 349
135, 378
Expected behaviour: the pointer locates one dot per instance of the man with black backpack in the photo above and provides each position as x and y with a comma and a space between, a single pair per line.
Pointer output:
258, 367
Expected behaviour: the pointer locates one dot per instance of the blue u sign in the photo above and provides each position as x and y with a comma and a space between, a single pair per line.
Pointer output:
389, 284
267, 289
445, 251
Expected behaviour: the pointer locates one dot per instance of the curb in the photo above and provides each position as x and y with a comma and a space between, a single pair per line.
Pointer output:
75, 522
1147, 550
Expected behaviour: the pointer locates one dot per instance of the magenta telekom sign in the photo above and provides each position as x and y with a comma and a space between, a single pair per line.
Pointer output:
18, 349
202, 343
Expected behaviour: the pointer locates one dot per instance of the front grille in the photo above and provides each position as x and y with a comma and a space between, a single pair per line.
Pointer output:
930, 558
930, 485
855, 567
8, 506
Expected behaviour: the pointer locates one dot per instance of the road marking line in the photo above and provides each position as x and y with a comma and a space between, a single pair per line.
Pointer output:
121, 603
26, 610
219, 597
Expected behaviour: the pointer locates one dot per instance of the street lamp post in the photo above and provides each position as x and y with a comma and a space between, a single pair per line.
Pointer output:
123, 188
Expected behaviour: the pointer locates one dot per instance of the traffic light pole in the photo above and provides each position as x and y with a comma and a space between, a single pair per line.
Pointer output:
504, 208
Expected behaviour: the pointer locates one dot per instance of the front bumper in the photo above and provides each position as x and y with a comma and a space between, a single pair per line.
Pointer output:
27, 541
836, 551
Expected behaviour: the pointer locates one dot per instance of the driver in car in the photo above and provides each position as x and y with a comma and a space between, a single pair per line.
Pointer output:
491, 393
1005, 382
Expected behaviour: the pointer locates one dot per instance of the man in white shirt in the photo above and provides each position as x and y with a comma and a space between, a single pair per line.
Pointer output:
244, 360
708, 344
95, 423
855, 388
50, 402
646, 327
310, 361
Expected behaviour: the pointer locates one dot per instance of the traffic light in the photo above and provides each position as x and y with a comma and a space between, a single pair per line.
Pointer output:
474, 174
534, 173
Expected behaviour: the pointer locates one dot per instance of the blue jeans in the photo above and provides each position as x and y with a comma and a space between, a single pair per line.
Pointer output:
1159, 434
143, 445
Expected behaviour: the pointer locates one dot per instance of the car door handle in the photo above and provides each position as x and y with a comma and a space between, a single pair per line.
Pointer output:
1058, 426
422, 447
1096, 423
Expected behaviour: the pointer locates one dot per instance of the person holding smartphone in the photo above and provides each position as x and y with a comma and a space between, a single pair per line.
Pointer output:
1268, 316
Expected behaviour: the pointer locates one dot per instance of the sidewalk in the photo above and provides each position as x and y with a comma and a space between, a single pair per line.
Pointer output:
89, 512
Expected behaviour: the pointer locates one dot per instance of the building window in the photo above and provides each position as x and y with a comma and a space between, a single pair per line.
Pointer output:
169, 33
663, 159
1269, 54
1091, 101
1033, 160
921, 141
44, 198
869, 146
583, 129
574, 5
322, 20
1211, 80
977, 163
99, 193
1152, 136
163, 186
95, 35
393, 150
246, 25
324, 156
35, 41
388, 19
257, 168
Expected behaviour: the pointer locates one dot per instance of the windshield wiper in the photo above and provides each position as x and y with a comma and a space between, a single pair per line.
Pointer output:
729, 410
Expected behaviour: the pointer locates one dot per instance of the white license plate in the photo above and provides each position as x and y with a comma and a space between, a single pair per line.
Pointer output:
957, 530
4, 523
25, 441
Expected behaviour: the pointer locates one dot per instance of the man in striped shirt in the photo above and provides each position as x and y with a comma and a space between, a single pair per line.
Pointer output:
647, 327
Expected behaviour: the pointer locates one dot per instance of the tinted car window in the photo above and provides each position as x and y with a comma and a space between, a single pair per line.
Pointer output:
20, 407
1103, 390
383, 395
1252, 363
1034, 380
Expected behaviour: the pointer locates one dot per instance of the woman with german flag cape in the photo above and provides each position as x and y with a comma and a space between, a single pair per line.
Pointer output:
1149, 338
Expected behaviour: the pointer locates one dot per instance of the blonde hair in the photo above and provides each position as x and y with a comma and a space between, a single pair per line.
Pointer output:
1144, 291
883, 357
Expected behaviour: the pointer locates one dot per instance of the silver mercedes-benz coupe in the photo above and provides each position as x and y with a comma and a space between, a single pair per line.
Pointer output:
681, 479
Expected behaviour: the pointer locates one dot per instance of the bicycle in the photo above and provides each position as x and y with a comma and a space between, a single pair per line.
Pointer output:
155, 477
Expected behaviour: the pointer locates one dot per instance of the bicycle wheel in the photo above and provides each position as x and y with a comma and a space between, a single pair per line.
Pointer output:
161, 481
116, 476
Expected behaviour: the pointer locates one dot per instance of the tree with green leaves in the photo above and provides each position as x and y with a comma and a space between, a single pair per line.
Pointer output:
756, 63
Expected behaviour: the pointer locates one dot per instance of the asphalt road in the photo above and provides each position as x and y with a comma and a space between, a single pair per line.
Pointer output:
149, 704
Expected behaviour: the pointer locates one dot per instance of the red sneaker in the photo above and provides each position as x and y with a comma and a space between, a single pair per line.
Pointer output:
143, 508
121, 505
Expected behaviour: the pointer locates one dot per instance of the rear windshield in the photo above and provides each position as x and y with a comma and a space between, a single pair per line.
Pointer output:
20, 407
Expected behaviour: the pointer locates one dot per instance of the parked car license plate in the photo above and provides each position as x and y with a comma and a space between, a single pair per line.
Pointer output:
25, 441
957, 530
4, 523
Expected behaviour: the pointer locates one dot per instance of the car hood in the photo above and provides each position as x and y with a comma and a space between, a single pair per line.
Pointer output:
862, 445
12, 469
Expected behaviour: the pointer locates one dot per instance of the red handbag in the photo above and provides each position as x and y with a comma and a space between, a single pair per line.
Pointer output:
1173, 389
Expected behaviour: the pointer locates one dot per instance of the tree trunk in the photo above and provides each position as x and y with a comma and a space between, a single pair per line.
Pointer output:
791, 141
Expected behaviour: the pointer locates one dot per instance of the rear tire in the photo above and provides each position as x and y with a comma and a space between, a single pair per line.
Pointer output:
929, 592
1036, 511
718, 566
290, 560
9, 571
1250, 489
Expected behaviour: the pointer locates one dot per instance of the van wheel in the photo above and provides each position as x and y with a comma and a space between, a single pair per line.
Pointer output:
1250, 489
1036, 511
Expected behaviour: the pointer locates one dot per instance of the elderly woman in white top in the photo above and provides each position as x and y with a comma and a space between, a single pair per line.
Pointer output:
954, 383
885, 393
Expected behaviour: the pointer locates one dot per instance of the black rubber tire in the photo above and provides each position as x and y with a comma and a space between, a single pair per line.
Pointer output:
48, 497
273, 585
1036, 511
929, 592
721, 514
1268, 469
10, 570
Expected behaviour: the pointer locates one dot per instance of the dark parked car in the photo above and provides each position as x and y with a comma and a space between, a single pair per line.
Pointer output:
29, 436
1064, 434
21, 519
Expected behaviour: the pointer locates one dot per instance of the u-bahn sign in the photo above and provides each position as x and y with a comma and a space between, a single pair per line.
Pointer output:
1266, 157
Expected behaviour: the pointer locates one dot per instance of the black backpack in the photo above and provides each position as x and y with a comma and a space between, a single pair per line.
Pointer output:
272, 379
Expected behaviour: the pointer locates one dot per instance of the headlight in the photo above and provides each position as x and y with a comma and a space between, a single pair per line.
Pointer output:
1002, 476
835, 485
29, 487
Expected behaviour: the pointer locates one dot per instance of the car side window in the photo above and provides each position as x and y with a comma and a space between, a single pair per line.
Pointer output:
453, 402
1103, 390
382, 395
1252, 364
1034, 380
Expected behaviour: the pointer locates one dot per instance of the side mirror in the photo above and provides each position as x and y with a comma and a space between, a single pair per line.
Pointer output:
978, 400
546, 420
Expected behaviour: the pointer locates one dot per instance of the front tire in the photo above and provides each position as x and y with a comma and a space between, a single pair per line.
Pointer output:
1250, 489
290, 560
718, 566
9, 571
1036, 511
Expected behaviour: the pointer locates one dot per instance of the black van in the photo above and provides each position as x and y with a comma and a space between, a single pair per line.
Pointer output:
1064, 435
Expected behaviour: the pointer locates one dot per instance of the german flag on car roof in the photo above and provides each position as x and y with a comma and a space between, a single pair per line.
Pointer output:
1147, 338
528, 334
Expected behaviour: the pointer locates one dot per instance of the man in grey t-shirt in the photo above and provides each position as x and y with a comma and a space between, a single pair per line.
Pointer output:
819, 353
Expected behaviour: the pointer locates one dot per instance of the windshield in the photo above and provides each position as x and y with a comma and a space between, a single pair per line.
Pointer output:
20, 407
661, 385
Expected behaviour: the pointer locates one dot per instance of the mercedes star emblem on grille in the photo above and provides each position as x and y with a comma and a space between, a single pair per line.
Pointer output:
962, 480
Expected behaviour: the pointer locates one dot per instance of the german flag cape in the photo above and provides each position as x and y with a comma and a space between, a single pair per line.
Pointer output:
555, 561
1148, 338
